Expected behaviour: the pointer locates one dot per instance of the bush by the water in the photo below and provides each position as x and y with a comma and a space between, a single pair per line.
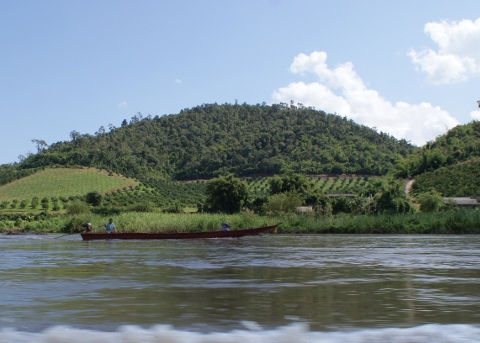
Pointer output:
282, 203
77, 207
431, 201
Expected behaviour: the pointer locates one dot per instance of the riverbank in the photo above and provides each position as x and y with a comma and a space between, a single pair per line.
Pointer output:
454, 221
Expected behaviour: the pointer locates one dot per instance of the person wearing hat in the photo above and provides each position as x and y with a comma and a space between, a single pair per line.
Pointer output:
225, 227
87, 227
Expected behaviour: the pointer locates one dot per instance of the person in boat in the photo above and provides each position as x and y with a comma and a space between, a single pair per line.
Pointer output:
225, 227
87, 227
110, 226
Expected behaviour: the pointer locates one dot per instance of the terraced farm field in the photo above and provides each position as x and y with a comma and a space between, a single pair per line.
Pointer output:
326, 184
173, 195
63, 182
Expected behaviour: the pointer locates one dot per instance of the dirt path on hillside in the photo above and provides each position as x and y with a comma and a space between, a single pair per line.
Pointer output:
408, 187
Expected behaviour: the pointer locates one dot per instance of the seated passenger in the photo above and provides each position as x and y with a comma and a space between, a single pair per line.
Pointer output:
87, 227
110, 227
225, 227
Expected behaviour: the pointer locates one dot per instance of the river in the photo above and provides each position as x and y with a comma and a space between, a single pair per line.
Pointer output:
272, 288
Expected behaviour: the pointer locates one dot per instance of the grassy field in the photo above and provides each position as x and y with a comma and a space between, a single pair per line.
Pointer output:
63, 182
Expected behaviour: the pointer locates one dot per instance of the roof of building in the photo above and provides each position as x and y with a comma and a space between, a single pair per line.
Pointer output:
462, 201
304, 209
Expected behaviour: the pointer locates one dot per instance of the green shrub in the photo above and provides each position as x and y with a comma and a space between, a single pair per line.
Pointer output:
34, 203
76, 224
282, 203
93, 198
391, 198
77, 207
257, 204
56, 207
173, 207
431, 201
226, 194
142, 207
23, 204
347, 205
45, 203
107, 210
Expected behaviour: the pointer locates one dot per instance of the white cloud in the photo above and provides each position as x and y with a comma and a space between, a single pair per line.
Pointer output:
178, 81
341, 90
309, 95
457, 57
475, 115
122, 104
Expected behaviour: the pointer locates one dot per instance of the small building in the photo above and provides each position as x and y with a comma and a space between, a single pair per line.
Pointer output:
304, 209
466, 202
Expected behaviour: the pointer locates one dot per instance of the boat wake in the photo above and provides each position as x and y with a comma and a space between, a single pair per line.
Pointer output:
298, 333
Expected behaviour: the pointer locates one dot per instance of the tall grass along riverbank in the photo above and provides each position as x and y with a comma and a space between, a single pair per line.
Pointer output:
453, 221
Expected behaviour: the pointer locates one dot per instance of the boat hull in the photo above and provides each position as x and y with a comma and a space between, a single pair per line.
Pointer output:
178, 235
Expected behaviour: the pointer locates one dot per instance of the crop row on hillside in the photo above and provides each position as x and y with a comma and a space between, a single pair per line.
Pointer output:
325, 184
63, 182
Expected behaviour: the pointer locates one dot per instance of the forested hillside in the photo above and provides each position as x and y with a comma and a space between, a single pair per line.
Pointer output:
204, 141
461, 143
461, 179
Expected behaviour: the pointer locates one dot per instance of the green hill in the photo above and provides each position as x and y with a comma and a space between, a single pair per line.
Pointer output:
450, 164
246, 140
461, 143
63, 182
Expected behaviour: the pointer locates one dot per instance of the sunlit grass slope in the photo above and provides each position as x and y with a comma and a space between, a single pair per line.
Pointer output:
63, 182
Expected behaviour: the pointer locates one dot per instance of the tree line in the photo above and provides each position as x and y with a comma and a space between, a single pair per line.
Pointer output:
288, 192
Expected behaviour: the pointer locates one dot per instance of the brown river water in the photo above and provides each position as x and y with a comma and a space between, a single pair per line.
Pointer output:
272, 288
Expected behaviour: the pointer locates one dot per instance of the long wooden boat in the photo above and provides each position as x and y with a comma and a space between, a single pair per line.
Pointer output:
177, 235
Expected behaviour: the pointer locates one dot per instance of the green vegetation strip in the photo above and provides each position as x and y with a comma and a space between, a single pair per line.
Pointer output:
455, 221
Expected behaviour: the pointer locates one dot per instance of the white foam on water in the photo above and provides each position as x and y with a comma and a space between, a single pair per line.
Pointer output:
295, 333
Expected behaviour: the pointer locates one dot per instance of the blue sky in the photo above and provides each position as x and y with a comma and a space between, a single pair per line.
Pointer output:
409, 68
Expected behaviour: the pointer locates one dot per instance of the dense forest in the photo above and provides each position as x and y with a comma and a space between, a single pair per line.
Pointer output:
208, 140
459, 144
